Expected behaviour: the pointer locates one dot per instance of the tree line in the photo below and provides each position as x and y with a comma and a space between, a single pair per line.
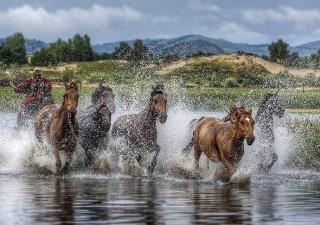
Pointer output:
13, 51
279, 52
76, 49
79, 48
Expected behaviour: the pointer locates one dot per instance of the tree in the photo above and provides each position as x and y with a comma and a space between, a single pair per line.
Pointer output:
88, 54
13, 50
278, 51
123, 51
76, 49
140, 51
315, 60
44, 57
293, 60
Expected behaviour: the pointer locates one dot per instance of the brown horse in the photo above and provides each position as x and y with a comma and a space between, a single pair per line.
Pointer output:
140, 130
222, 141
59, 126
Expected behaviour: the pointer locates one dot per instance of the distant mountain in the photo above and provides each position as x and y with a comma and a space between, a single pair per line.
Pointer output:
32, 45
188, 45
307, 49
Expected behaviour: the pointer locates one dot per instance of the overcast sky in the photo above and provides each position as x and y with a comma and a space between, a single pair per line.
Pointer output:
250, 21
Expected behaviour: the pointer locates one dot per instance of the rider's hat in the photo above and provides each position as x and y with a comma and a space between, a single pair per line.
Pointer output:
37, 71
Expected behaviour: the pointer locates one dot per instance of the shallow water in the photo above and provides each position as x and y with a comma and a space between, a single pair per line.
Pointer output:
29, 197
107, 200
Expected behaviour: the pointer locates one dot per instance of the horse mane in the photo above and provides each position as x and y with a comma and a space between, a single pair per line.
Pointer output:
264, 104
228, 117
72, 85
96, 94
157, 90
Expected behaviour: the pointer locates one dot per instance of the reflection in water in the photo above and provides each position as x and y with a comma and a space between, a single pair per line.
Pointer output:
89, 200
223, 206
264, 197
59, 194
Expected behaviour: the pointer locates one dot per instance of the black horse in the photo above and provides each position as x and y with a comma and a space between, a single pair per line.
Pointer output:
95, 122
270, 106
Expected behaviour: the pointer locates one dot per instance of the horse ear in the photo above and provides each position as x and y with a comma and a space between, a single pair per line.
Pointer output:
66, 86
232, 108
100, 83
153, 87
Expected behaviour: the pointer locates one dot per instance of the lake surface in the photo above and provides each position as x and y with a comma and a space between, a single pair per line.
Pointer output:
30, 197
110, 200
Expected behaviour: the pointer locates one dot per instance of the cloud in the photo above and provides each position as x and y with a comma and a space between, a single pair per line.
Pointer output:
294, 25
201, 6
239, 33
40, 23
282, 14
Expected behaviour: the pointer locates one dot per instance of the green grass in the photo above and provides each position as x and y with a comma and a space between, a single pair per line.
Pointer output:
305, 152
216, 72
194, 98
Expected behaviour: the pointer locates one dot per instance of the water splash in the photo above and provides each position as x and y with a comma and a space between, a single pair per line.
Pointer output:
19, 152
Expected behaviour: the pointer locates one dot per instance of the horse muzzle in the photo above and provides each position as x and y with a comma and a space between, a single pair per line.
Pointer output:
250, 140
163, 119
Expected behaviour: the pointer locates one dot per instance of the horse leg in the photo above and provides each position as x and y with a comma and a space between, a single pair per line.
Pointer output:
230, 167
273, 161
66, 168
154, 160
197, 155
207, 163
58, 160
38, 131
188, 148
88, 157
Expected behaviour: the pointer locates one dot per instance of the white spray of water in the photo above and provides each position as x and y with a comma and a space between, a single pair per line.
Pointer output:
19, 152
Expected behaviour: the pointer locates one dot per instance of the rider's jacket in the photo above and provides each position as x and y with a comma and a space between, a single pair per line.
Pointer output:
36, 89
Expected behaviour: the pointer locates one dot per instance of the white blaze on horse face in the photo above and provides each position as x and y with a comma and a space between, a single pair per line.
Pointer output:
247, 119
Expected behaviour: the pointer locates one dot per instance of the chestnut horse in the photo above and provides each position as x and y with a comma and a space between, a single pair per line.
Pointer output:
140, 130
222, 141
59, 126
95, 122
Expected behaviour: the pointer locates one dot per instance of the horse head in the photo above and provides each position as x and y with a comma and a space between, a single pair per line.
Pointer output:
158, 103
271, 105
242, 118
102, 116
71, 97
103, 96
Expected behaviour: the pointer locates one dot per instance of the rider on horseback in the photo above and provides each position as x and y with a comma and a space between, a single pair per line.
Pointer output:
38, 90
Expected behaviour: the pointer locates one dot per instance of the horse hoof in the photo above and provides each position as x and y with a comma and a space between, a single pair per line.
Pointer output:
149, 172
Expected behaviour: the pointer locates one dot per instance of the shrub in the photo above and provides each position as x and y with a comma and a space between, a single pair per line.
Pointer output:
231, 82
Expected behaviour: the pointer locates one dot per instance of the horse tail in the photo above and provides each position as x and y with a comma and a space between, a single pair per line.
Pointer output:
186, 150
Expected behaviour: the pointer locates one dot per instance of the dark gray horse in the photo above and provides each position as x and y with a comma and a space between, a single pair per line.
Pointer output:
140, 130
95, 122
270, 106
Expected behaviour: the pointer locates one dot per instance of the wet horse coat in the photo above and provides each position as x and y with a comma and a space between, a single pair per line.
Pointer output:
59, 126
95, 122
140, 130
223, 141
270, 106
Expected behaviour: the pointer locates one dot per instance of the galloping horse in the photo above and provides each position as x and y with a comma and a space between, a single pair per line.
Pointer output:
140, 130
59, 126
270, 106
223, 140
95, 122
